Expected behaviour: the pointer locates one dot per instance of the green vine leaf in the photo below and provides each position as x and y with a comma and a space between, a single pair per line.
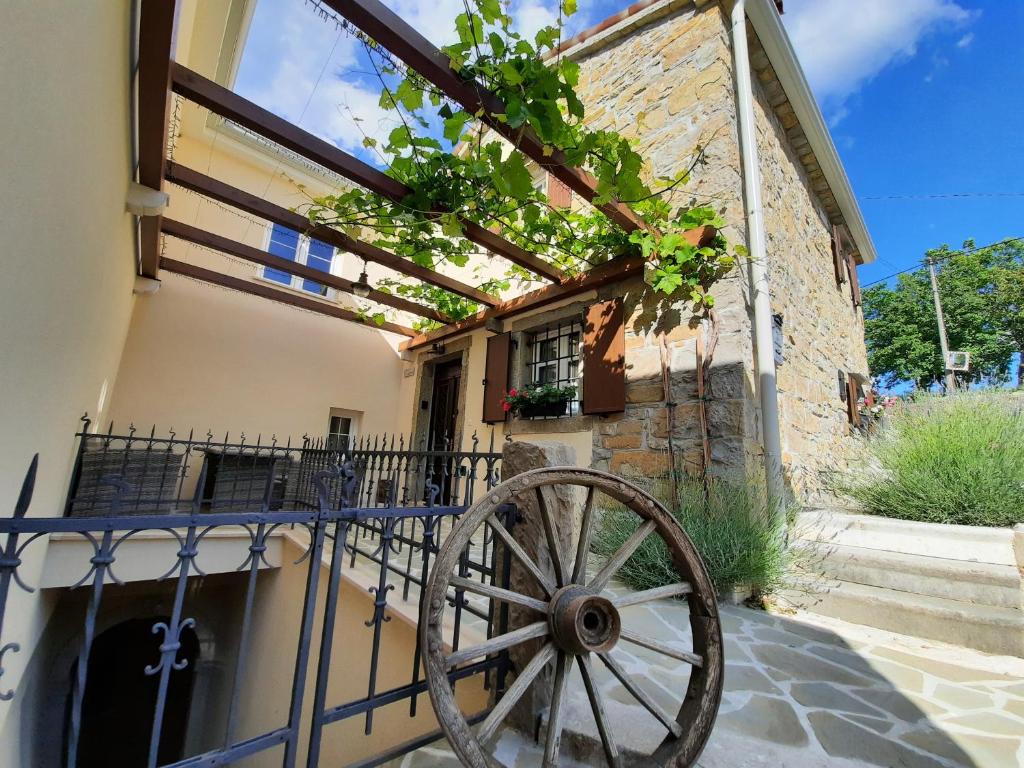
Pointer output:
475, 176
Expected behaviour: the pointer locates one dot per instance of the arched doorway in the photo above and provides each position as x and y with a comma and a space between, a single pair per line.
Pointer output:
120, 699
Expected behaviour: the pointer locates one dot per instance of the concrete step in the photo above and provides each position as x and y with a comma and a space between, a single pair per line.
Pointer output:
952, 542
985, 628
967, 581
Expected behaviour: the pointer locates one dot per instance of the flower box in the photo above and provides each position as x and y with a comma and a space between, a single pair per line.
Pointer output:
539, 400
540, 410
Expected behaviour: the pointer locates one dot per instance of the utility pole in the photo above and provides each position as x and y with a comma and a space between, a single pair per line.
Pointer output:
943, 342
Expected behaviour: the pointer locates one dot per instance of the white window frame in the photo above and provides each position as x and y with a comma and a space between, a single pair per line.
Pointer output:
301, 257
354, 418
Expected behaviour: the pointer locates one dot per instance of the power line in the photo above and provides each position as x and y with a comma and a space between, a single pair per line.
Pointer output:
943, 196
950, 255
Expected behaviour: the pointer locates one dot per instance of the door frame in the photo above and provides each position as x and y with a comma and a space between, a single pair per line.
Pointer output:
424, 405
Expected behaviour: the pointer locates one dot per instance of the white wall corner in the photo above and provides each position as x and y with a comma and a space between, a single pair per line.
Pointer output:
146, 201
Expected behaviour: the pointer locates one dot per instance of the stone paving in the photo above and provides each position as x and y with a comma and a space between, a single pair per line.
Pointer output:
805, 690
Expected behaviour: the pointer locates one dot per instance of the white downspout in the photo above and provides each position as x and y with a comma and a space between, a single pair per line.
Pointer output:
758, 266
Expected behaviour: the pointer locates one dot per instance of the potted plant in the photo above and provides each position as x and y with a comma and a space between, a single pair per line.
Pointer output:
536, 400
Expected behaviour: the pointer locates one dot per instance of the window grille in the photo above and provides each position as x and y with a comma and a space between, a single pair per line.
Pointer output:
554, 358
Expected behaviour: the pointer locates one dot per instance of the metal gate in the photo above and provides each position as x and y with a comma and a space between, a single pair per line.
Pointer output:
376, 508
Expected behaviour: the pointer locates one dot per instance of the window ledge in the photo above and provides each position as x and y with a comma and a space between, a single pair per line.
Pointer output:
549, 426
297, 291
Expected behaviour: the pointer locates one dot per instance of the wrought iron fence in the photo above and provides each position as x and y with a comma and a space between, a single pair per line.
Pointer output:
168, 473
383, 507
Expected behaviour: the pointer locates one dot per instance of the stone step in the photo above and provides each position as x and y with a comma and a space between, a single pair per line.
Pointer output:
981, 583
985, 628
952, 542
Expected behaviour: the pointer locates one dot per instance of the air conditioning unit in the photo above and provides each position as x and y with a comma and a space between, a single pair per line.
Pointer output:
958, 361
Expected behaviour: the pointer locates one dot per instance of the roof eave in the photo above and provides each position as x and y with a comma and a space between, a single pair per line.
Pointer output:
768, 25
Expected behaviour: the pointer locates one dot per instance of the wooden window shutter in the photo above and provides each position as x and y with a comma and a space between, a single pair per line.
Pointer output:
852, 392
559, 195
838, 255
496, 370
604, 358
851, 264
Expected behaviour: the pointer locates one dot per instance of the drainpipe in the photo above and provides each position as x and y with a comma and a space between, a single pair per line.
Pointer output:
758, 266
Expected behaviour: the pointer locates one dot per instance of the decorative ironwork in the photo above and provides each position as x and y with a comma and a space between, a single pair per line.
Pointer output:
375, 508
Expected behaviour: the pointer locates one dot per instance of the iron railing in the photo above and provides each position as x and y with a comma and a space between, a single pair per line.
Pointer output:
168, 473
124, 485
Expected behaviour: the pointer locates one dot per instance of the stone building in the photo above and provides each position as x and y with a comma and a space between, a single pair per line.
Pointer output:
664, 74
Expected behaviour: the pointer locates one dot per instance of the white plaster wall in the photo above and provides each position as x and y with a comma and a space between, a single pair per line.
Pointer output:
68, 258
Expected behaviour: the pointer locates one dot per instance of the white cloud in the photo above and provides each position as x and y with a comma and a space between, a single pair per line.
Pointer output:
842, 45
434, 19
299, 66
965, 41
531, 16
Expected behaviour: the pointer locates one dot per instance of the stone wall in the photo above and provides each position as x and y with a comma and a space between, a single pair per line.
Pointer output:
666, 80
823, 331
669, 84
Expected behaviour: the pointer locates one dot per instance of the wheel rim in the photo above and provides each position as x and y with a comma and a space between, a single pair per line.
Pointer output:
575, 623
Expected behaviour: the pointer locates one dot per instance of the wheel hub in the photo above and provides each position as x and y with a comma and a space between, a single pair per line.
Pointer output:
582, 622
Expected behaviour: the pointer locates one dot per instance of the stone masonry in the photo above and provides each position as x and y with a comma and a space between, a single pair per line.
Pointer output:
665, 78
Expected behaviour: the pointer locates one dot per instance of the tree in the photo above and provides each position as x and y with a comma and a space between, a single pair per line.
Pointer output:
1009, 297
982, 293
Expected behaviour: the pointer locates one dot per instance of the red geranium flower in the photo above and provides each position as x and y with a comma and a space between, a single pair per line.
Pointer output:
512, 392
506, 407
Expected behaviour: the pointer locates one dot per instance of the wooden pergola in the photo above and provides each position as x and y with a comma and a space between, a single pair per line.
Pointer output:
160, 76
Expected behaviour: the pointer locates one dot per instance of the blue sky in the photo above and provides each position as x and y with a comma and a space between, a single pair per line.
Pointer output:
924, 97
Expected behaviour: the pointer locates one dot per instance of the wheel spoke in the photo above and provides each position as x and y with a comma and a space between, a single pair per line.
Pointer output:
551, 534
521, 555
659, 647
648, 703
497, 593
498, 643
611, 752
558, 691
579, 571
658, 593
625, 552
515, 692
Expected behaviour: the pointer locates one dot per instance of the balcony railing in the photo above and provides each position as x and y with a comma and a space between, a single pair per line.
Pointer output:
138, 473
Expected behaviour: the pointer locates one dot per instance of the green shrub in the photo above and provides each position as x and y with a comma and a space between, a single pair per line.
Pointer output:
947, 460
734, 529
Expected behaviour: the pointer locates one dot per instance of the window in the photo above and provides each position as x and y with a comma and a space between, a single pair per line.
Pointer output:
339, 433
288, 244
554, 358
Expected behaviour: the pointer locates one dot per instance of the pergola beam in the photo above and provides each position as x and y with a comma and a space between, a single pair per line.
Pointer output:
387, 28
239, 250
613, 271
283, 297
256, 206
156, 42
230, 105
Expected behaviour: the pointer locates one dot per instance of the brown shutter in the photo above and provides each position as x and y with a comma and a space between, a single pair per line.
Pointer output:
838, 255
854, 282
559, 195
496, 370
852, 412
604, 358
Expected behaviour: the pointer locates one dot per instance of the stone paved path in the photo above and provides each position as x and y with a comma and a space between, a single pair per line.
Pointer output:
805, 690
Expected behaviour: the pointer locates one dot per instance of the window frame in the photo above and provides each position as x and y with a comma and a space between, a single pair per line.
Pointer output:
530, 365
302, 254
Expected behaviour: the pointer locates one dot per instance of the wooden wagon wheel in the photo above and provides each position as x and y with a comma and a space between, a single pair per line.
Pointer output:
571, 621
